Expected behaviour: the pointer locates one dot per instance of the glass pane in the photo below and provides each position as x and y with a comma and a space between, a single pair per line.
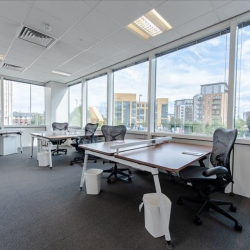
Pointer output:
97, 101
37, 105
192, 89
242, 109
17, 103
131, 97
75, 105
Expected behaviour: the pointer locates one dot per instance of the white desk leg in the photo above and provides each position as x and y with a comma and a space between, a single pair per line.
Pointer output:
50, 158
32, 146
84, 170
163, 211
21, 145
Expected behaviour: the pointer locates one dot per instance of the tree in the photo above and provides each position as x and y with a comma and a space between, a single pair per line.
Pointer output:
76, 116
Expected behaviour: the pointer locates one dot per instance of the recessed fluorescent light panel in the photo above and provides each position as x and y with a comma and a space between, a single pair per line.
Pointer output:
60, 73
149, 25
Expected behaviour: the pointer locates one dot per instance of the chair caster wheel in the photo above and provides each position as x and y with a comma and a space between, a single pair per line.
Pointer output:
109, 181
179, 201
233, 208
197, 221
129, 172
238, 227
71, 164
129, 179
65, 152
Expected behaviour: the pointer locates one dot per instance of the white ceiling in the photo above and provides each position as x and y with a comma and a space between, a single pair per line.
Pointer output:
92, 35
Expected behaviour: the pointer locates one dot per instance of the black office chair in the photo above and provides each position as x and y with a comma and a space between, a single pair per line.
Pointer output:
90, 129
209, 180
56, 126
113, 133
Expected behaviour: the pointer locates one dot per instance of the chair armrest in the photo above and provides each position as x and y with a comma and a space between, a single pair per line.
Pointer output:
215, 171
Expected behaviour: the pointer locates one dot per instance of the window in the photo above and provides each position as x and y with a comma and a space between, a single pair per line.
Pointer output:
97, 101
242, 109
131, 96
75, 105
186, 79
24, 104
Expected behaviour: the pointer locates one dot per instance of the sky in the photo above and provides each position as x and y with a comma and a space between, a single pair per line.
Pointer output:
180, 74
21, 97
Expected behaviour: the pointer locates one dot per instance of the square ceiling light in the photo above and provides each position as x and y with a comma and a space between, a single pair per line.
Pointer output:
149, 25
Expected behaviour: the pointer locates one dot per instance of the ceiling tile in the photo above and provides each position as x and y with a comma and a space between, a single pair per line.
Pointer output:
9, 72
124, 39
217, 3
27, 47
198, 24
73, 66
17, 62
47, 63
67, 49
36, 66
5, 40
140, 48
8, 27
233, 9
124, 12
66, 11
21, 55
180, 12
104, 49
37, 19
98, 25
156, 3
164, 38
79, 38
53, 55
118, 58
3, 51
34, 74
93, 3
14, 10
89, 57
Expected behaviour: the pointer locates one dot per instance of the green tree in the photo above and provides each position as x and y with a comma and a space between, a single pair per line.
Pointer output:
76, 116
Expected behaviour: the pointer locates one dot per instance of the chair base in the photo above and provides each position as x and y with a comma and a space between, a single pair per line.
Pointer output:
207, 203
53, 151
114, 171
81, 160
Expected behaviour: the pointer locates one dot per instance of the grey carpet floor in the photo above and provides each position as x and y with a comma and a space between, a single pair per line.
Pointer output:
44, 209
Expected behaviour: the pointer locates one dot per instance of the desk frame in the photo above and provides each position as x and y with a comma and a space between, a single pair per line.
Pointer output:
153, 171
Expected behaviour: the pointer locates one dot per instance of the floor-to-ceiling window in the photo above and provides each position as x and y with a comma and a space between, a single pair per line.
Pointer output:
242, 103
75, 105
24, 104
131, 96
97, 100
192, 86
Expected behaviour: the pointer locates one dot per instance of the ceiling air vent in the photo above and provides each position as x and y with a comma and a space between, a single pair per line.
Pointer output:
35, 37
13, 67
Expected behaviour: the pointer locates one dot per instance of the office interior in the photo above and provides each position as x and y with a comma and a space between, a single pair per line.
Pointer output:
174, 69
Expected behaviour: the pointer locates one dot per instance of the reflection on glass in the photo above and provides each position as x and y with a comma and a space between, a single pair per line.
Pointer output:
97, 101
75, 105
192, 89
24, 104
131, 97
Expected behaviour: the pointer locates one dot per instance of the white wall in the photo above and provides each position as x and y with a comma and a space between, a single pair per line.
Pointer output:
56, 103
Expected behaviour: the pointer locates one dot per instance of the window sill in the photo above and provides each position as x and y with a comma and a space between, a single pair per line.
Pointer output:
238, 141
28, 126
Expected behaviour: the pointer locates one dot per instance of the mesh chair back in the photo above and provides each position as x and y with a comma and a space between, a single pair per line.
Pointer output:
223, 142
112, 133
60, 126
90, 129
